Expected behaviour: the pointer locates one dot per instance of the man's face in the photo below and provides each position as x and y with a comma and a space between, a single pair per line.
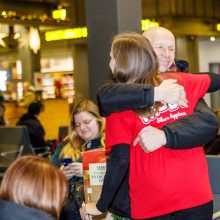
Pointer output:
164, 46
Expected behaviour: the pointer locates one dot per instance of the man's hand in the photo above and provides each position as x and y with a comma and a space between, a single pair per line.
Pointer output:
150, 139
170, 92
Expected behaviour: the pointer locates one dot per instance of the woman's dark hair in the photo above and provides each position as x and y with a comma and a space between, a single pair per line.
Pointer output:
35, 108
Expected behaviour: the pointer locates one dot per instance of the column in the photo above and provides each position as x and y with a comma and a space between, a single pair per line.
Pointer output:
104, 19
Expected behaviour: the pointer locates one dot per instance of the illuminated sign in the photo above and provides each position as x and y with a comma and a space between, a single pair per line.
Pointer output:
81, 32
147, 23
218, 27
72, 33
59, 14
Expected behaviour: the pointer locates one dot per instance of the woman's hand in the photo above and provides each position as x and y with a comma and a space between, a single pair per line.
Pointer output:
88, 210
72, 169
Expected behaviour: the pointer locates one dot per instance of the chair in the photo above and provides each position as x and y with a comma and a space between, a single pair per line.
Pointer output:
214, 176
63, 131
14, 142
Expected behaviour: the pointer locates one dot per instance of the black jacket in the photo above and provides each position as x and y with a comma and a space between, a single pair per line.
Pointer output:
194, 130
35, 130
13, 211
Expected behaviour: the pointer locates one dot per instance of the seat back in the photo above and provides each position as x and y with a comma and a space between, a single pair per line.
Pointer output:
62, 132
14, 142
214, 176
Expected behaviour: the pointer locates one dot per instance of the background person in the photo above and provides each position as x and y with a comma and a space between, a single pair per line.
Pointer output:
213, 147
2, 113
29, 95
162, 175
10, 93
32, 189
188, 131
35, 128
86, 133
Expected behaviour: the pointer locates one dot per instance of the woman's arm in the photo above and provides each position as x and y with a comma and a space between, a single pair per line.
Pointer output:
55, 157
117, 168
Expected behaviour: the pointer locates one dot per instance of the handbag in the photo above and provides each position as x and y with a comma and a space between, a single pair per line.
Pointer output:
73, 202
77, 192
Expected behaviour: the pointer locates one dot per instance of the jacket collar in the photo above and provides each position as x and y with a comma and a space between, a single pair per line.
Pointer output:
12, 211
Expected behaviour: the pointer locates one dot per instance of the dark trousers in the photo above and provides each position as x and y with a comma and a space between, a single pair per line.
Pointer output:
202, 212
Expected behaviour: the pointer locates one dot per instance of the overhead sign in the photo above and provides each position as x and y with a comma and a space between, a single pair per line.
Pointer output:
81, 32
72, 33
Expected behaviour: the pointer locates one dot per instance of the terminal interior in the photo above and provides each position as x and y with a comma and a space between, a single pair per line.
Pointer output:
63, 69
61, 48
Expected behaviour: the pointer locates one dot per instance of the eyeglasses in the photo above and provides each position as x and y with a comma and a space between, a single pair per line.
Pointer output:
85, 122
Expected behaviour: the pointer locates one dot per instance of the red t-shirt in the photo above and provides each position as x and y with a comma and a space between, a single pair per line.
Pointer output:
165, 180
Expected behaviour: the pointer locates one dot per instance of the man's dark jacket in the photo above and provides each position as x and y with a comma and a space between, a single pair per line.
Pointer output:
194, 130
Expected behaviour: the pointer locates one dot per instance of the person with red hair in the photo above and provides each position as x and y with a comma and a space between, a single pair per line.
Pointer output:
32, 189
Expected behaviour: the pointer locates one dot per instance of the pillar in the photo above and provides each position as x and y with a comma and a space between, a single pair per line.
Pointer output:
105, 19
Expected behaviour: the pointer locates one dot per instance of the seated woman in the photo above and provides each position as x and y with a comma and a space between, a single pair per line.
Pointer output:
32, 189
86, 132
35, 128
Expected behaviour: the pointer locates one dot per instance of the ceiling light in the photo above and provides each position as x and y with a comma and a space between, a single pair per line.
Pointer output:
34, 39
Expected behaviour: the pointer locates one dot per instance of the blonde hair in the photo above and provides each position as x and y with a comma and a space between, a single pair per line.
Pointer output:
135, 62
34, 182
75, 144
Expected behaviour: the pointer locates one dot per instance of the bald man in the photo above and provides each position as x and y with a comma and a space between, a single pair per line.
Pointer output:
163, 43
194, 130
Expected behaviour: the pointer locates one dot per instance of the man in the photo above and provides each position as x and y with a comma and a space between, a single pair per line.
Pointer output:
194, 130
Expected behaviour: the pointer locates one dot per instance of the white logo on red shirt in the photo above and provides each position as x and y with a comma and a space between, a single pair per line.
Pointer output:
165, 113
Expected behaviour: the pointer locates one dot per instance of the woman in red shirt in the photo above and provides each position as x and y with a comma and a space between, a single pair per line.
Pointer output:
164, 184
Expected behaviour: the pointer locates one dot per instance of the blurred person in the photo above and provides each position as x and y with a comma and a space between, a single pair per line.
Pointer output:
10, 93
86, 132
1, 96
213, 147
35, 128
2, 112
32, 189
163, 183
29, 95
188, 131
